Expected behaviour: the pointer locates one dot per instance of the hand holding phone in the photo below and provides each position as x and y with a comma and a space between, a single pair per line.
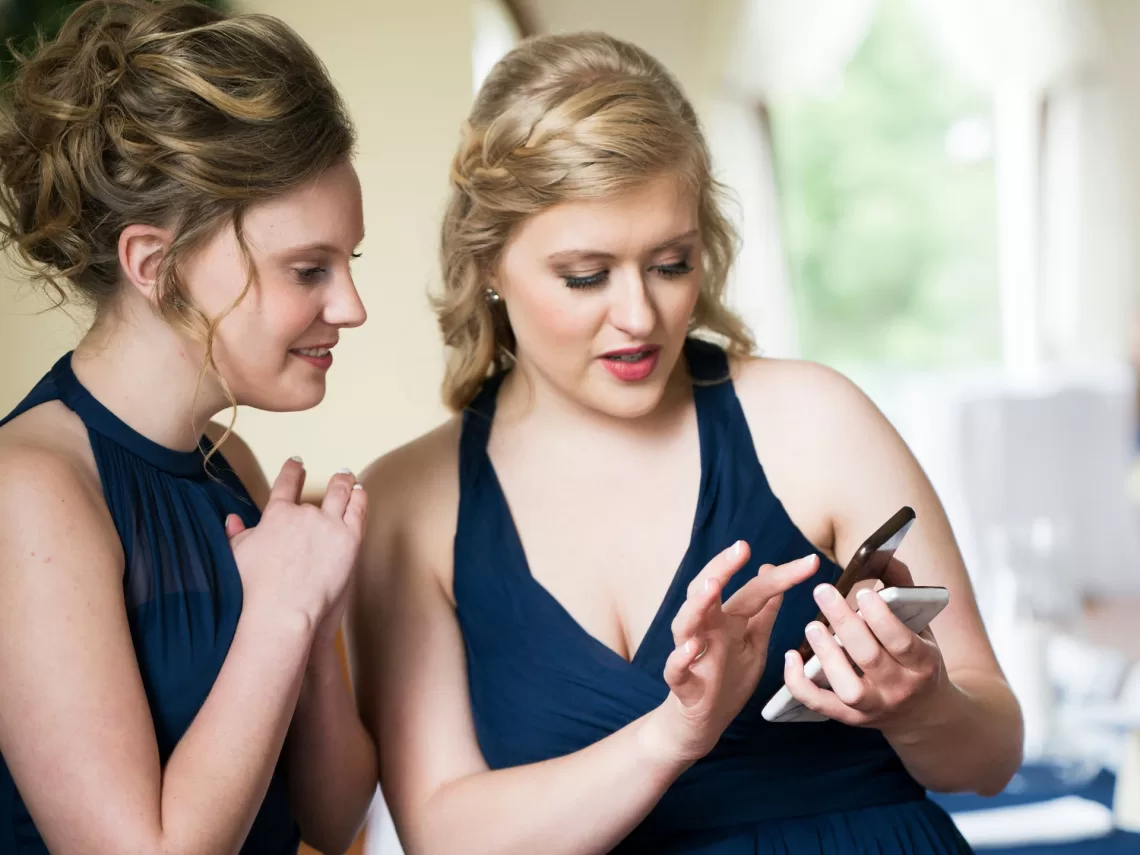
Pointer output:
915, 607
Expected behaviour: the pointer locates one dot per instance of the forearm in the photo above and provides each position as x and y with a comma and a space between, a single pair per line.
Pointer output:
970, 739
579, 804
217, 777
332, 759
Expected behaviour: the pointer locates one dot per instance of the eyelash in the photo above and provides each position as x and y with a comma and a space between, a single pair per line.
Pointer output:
308, 274
669, 271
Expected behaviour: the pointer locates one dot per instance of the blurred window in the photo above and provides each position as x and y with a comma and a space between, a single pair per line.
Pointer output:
887, 191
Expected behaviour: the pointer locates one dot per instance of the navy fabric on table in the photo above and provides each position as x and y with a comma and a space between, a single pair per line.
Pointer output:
181, 586
1037, 784
541, 687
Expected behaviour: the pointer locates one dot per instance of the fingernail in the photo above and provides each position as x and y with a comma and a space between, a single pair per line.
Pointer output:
814, 630
789, 658
863, 596
296, 458
808, 559
358, 486
738, 549
690, 645
710, 583
826, 594
345, 471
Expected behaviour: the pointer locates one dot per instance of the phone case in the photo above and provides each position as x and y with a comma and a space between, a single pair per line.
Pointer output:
915, 607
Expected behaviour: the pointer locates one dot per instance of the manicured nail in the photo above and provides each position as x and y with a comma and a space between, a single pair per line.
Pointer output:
710, 584
358, 486
789, 658
814, 630
738, 549
808, 559
296, 458
826, 594
863, 596
345, 471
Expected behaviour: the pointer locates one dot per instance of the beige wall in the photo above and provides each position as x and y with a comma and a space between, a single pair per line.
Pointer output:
31, 338
405, 70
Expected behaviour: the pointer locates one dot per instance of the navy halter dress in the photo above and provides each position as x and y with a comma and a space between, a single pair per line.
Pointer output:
541, 687
182, 589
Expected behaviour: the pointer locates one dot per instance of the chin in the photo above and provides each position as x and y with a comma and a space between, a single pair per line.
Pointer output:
286, 397
632, 402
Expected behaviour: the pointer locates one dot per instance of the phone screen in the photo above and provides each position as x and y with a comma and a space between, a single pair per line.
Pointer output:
870, 561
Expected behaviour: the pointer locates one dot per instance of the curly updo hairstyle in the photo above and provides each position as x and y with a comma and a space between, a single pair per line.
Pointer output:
168, 114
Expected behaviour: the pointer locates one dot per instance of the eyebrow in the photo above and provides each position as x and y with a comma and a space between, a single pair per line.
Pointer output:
592, 254
317, 246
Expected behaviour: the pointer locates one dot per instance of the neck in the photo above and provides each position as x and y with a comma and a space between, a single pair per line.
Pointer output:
526, 396
148, 374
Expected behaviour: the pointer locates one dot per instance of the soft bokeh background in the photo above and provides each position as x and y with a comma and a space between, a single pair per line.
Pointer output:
939, 197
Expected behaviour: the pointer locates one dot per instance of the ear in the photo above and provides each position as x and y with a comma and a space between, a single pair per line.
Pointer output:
141, 251
493, 280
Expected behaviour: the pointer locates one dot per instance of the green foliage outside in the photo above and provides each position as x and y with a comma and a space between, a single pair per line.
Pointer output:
892, 243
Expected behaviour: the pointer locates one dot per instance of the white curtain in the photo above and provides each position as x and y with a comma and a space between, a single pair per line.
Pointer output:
1066, 249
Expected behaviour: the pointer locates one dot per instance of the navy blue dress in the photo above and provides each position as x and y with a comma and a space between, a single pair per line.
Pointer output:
181, 585
541, 687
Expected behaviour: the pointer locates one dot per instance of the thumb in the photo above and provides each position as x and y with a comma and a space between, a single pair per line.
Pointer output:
234, 526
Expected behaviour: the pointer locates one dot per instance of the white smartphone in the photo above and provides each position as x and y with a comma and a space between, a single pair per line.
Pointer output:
915, 607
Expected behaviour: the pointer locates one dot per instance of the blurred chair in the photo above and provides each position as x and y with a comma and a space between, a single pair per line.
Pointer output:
1044, 470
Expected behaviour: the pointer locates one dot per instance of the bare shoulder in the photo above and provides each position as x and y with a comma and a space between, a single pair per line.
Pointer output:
50, 489
797, 386
51, 440
796, 405
413, 500
242, 460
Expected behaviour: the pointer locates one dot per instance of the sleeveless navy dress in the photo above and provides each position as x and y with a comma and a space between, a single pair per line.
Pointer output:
182, 589
541, 687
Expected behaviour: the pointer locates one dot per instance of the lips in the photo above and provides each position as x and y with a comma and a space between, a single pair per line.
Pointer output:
315, 352
632, 364
319, 356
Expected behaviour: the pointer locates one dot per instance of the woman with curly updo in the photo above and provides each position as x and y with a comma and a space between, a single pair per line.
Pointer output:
168, 676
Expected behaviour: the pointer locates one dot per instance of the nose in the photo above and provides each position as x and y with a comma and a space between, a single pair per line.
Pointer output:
631, 309
344, 307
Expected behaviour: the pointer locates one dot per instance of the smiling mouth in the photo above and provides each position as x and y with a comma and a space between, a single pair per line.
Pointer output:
315, 352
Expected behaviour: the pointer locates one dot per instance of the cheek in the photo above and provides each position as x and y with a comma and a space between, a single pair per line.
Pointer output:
272, 317
213, 281
542, 318
678, 306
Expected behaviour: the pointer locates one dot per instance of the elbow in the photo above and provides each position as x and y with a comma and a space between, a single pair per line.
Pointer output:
999, 775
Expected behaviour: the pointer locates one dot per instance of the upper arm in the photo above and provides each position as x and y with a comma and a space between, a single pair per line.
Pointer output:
406, 647
852, 470
243, 462
75, 728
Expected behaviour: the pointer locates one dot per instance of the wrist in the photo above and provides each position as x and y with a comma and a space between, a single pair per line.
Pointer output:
929, 714
660, 749
284, 625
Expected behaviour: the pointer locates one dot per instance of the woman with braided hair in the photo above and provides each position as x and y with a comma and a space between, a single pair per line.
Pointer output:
568, 614
187, 174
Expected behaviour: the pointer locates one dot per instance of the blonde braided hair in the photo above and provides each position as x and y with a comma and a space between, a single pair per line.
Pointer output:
566, 118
